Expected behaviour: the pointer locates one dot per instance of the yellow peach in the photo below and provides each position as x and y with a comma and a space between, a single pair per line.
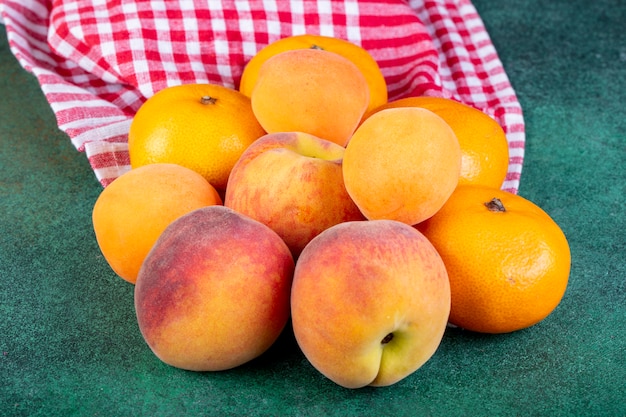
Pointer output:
402, 164
370, 302
312, 91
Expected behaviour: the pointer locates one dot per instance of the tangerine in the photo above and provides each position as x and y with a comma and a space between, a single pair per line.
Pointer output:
350, 50
204, 127
484, 146
132, 211
507, 260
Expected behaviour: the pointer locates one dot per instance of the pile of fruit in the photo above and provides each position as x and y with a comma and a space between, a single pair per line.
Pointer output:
306, 195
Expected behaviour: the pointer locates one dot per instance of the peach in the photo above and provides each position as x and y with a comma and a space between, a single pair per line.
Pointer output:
402, 164
370, 302
484, 146
350, 50
132, 211
213, 293
293, 183
312, 91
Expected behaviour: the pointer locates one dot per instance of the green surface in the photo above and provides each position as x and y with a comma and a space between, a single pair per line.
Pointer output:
69, 343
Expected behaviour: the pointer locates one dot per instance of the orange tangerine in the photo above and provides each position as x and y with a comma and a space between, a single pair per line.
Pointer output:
507, 260
204, 127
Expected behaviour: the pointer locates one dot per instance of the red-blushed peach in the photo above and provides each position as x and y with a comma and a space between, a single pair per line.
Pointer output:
293, 183
213, 293
370, 301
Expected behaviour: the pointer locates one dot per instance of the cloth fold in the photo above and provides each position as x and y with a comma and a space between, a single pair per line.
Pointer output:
97, 61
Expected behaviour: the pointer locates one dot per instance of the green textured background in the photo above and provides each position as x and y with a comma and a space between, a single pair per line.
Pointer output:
69, 343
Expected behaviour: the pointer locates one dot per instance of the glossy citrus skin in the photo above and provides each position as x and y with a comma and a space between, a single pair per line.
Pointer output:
312, 91
484, 147
132, 211
508, 269
355, 53
402, 164
204, 127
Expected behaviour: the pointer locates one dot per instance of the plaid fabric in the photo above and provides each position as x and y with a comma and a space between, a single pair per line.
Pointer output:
98, 60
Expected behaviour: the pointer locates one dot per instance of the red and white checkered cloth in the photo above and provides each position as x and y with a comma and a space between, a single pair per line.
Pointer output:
98, 60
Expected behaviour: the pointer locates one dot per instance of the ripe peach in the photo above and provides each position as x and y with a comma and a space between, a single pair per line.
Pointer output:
293, 183
402, 164
370, 302
213, 293
484, 146
312, 91
132, 211
350, 50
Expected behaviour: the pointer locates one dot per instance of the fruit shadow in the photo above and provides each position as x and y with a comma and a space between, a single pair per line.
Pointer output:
284, 351
458, 337
460, 343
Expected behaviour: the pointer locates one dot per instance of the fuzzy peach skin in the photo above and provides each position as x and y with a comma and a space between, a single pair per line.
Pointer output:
482, 140
213, 293
293, 183
402, 164
353, 52
370, 302
310, 90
